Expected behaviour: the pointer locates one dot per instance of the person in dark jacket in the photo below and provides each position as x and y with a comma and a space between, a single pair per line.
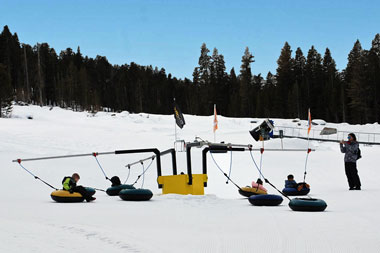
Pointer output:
70, 184
290, 183
115, 180
350, 149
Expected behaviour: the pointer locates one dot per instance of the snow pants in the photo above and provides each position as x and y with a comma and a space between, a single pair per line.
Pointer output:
80, 189
352, 174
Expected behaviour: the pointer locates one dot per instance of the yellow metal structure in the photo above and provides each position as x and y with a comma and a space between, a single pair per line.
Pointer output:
178, 184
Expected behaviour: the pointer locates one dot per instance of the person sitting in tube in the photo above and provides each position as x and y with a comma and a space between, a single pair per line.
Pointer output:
115, 180
290, 183
259, 181
70, 184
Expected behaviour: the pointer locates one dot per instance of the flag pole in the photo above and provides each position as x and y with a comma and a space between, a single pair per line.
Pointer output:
175, 125
308, 143
214, 123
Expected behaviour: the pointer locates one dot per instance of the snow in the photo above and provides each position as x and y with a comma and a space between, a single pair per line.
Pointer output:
220, 221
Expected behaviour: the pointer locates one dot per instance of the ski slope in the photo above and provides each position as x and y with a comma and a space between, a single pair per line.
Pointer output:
220, 221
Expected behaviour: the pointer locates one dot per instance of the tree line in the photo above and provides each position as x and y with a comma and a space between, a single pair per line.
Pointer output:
38, 75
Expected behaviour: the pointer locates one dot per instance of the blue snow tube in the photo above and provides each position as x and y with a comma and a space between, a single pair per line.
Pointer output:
295, 191
136, 194
307, 205
265, 200
115, 190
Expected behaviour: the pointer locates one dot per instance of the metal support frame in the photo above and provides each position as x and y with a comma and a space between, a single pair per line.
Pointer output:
116, 152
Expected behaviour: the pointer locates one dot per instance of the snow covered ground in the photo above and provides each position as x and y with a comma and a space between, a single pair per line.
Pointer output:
220, 221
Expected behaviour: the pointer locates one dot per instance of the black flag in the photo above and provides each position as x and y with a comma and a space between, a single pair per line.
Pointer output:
179, 119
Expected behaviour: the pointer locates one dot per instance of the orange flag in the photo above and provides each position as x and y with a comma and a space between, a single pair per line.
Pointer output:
215, 119
309, 116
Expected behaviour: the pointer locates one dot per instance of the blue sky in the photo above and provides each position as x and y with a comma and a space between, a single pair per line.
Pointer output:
169, 33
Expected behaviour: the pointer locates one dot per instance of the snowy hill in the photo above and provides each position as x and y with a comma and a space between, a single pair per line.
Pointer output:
220, 221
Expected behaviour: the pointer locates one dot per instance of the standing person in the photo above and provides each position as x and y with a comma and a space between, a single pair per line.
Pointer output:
351, 149
70, 184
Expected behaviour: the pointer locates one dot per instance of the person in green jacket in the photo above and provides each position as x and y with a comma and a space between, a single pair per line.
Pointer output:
70, 184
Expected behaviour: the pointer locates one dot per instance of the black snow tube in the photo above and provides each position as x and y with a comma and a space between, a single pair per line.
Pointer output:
265, 200
307, 205
295, 191
115, 190
136, 194
302, 189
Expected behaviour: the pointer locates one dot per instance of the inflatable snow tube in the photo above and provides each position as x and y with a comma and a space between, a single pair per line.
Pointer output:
136, 194
301, 190
265, 200
249, 191
115, 190
295, 191
63, 196
260, 186
307, 205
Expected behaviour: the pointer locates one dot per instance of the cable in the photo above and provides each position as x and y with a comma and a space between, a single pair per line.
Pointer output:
144, 171
36, 177
223, 172
143, 175
100, 166
307, 157
229, 174
129, 173
266, 180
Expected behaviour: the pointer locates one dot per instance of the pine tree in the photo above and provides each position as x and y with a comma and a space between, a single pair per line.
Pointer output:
374, 78
357, 88
331, 88
204, 65
219, 82
245, 83
314, 82
6, 95
233, 91
284, 79
299, 89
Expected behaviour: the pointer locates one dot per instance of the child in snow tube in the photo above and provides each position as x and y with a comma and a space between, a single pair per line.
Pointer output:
290, 183
258, 184
70, 184
116, 186
294, 189
256, 189
115, 180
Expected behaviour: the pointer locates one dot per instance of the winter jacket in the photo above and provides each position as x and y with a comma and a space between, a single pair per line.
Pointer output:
68, 183
290, 184
351, 151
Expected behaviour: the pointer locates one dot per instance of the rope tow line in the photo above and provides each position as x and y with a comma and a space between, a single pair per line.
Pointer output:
307, 157
266, 180
100, 166
229, 174
143, 173
261, 159
129, 173
228, 178
36, 177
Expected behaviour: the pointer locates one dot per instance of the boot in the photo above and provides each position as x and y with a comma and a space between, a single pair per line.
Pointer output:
90, 199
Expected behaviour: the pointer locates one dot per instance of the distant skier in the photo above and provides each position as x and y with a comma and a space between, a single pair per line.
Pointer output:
70, 184
290, 183
351, 150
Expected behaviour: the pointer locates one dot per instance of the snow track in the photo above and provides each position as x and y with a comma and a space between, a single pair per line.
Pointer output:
220, 221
